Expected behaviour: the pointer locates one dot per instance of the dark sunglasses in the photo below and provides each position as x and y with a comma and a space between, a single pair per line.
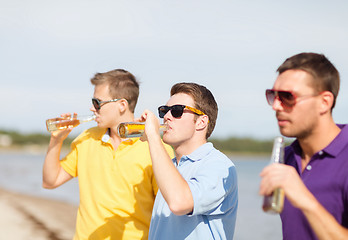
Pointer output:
288, 99
97, 104
177, 110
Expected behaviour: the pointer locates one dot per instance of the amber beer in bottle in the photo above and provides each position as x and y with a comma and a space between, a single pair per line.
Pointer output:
59, 123
134, 129
274, 203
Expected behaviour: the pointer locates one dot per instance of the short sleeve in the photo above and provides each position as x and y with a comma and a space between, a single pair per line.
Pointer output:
214, 187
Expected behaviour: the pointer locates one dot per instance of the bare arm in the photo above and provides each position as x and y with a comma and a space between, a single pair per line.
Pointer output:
322, 222
172, 185
53, 174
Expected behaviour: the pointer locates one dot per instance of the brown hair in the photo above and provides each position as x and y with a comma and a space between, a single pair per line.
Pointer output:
203, 100
122, 84
324, 73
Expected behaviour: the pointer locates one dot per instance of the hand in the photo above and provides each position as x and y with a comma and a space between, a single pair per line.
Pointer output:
61, 135
151, 124
285, 177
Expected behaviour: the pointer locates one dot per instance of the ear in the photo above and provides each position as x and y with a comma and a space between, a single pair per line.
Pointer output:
327, 99
202, 122
123, 105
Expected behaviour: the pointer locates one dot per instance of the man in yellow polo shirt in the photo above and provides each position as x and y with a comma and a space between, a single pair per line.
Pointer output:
116, 182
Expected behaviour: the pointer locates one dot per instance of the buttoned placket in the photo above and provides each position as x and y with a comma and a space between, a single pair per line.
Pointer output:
316, 157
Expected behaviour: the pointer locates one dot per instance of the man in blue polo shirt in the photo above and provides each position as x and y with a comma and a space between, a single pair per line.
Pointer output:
198, 196
315, 177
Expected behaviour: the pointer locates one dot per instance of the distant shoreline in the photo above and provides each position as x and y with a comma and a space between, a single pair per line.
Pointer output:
38, 142
29, 149
42, 150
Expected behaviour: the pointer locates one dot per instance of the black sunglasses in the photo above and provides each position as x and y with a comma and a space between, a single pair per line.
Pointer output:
97, 104
177, 110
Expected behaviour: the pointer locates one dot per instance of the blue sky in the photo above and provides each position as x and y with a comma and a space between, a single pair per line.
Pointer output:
50, 49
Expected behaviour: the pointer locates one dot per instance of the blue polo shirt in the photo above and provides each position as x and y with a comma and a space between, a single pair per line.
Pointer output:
212, 179
326, 176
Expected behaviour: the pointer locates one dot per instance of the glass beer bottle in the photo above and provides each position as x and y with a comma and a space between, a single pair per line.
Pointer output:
274, 203
134, 129
59, 123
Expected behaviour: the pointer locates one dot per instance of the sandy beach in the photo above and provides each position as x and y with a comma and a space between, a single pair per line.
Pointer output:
29, 217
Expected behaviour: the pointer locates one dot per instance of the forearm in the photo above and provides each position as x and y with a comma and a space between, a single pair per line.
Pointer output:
172, 185
51, 167
323, 223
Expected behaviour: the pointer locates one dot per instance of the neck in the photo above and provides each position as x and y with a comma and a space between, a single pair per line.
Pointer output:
319, 138
188, 147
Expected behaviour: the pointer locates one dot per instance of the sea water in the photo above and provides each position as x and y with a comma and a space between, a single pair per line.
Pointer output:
22, 173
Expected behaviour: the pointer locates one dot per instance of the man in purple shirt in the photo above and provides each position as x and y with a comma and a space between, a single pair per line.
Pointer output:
315, 176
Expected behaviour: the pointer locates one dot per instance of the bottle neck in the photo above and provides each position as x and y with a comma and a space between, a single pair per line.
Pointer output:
86, 118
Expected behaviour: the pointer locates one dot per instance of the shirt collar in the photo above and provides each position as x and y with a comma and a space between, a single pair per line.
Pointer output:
334, 148
199, 153
339, 143
106, 138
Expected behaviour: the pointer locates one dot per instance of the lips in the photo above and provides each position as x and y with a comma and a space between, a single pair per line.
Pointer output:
282, 123
166, 123
97, 118
167, 128
282, 120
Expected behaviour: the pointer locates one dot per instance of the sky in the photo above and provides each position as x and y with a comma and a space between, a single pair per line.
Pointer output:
49, 51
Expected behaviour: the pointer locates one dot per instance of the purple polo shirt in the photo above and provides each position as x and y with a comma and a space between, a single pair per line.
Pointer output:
326, 176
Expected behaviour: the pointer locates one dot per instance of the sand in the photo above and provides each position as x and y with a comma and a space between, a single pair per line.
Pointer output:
29, 217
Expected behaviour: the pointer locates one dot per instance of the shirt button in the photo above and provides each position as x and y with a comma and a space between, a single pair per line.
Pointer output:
321, 153
105, 138
309, 167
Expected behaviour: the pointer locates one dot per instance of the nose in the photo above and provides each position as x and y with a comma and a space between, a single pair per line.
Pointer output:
277, 104
167, 116
92, 109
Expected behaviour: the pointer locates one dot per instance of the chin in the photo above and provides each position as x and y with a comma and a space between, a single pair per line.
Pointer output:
100, 125
288, 133
166, 139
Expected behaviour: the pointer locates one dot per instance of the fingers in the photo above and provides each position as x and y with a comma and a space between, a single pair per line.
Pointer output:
273, 177
69, 115
63, 133
143, 116
146, 115
287, 178
139, 119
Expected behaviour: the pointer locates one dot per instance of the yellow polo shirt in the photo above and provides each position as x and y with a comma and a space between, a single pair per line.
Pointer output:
117, 188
